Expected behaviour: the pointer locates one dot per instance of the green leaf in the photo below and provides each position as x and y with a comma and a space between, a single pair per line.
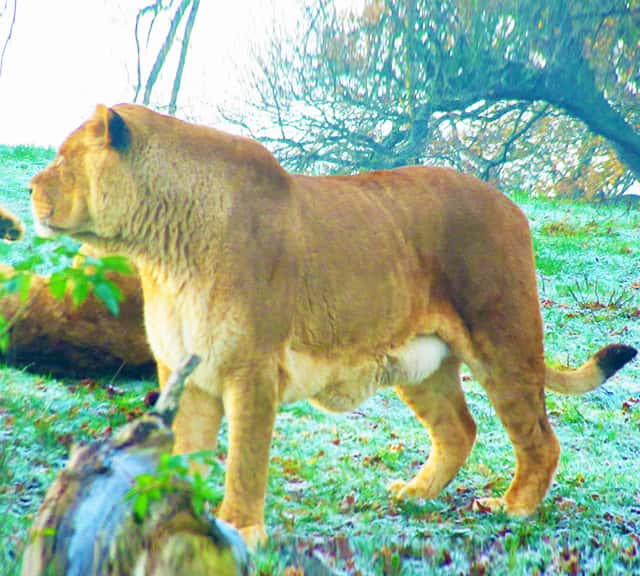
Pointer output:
29, 263
117, 263
58, 284
109, 293
80, 290
141, 505
143, 481
40, 240
197, 503
155, 494
24, 286
4, 334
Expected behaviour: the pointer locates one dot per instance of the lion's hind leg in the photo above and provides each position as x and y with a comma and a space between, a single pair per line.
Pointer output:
439, 404
517, 394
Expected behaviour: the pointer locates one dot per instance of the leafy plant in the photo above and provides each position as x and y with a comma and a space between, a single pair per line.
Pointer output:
172, 473
77, 276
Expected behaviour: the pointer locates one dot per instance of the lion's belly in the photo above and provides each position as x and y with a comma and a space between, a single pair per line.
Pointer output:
338, 385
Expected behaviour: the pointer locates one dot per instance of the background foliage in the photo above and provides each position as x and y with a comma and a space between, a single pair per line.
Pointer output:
537, 95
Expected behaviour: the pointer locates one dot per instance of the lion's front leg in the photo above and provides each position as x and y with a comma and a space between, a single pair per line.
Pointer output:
250, 402
197, 423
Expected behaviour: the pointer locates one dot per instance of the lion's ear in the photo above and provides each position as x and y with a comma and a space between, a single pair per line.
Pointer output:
113, 128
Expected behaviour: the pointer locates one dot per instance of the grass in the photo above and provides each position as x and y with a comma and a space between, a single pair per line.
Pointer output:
328, 475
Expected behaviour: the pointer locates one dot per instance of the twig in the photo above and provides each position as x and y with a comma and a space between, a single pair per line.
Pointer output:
167, 405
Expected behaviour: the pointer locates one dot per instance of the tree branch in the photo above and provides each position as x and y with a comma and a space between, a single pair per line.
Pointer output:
8, 39
195, 4
164, 50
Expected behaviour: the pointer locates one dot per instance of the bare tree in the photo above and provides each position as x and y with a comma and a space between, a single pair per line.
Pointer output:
461, 82
147, 20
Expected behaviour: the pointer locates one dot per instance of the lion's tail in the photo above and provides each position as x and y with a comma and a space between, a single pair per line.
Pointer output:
601, 366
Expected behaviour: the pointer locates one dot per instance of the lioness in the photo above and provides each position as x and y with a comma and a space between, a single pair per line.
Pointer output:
326, 288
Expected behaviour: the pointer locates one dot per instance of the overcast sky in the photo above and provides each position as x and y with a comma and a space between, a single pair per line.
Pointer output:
66, 56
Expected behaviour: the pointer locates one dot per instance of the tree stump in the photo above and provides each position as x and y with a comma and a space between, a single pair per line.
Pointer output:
88, 526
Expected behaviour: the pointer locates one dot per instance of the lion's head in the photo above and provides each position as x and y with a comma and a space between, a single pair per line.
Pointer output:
68, 197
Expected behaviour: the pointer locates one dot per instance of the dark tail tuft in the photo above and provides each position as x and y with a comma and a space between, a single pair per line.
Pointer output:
613, 357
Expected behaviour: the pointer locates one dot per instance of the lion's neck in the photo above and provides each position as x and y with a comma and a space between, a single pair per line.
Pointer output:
168, 234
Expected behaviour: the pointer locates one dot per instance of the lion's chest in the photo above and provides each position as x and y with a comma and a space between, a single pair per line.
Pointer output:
164, 323
179, 324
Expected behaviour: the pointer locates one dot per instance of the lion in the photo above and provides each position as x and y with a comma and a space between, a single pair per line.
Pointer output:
324, 288
55, 335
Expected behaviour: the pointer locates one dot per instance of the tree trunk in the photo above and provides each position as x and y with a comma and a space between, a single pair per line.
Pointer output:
583, 100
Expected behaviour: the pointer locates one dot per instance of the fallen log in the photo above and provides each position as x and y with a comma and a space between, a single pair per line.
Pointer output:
87, 525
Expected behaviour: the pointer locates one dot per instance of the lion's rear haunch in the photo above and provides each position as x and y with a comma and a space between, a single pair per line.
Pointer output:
325, 288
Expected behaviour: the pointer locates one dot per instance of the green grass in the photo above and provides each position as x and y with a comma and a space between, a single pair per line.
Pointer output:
328, 475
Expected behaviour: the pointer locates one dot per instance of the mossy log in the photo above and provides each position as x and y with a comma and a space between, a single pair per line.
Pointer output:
87, 525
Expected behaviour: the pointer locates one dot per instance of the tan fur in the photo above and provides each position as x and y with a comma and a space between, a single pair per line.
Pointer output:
326, 287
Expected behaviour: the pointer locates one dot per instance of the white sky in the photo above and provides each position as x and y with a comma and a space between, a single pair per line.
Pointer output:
66, 56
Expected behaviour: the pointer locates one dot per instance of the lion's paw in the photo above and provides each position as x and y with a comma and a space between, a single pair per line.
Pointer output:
501, 505
398, 489
489, 505
254, 535
413, 490
11, 229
